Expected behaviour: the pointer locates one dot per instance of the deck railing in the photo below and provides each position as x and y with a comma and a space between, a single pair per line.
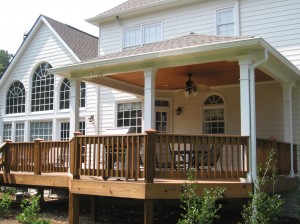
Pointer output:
148, 156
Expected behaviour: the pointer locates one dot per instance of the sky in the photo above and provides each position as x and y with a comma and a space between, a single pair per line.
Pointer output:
18, 16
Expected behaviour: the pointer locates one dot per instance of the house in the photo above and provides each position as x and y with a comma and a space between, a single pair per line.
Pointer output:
218, 75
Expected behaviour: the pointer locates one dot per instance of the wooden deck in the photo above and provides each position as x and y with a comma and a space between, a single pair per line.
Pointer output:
140, 166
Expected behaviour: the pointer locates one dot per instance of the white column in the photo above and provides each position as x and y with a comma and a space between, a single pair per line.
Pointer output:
74, 106
245, 64
288, 119
149, 100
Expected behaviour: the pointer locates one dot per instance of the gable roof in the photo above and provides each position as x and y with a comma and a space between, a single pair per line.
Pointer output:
82, 44
191, 40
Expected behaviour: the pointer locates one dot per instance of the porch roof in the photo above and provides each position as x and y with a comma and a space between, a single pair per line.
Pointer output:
192, 52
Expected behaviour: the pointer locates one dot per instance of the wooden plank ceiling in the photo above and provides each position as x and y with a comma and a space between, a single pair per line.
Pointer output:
208, 74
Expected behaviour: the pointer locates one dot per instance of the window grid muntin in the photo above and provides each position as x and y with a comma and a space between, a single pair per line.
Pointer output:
129, 114
42, 95
225, 22
15, 98
214, 115
7, 130
41, 130
20, 132
64, 101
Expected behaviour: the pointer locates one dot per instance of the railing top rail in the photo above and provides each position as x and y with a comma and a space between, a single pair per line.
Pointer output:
203, 135
111, 135
272, 140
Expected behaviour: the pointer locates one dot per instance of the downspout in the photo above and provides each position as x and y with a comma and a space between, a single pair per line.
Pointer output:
97, 110
253, 115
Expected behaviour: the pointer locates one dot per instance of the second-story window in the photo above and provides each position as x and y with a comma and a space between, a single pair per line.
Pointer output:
225, 22
143, 34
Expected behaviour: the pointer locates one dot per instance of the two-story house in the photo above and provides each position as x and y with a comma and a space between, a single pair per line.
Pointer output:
201, 73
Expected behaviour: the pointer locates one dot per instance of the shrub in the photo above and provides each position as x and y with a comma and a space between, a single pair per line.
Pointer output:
264, 208
199, 209
5, 204
30, 212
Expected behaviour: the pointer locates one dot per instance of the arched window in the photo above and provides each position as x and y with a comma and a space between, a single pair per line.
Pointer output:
214, 115
15, 98
64, 101
42, 89
65, 88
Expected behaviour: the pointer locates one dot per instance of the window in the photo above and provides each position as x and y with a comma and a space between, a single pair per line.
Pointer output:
214, 115
143, 34
82, 94
15, 98
41, 130
42, 89
162, 115
130, 115
65, 89
19, 137
64, 101
7, 128
65, 130
225, 22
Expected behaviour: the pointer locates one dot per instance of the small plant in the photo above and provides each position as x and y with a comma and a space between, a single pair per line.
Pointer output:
199, 209
263, 208
30, 212
5, 204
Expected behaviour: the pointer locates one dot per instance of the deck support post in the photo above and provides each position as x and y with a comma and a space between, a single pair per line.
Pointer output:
37, 156
149, 156
148, 211
93, 208
73, 208
40, 192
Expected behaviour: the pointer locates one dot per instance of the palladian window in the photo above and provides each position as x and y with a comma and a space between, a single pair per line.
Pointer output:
42, 89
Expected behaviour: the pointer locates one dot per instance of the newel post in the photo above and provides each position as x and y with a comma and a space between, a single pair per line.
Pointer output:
149, 155
6, 156
75, 156
37, 158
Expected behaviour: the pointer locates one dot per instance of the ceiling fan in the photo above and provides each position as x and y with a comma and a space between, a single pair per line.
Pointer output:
192, 89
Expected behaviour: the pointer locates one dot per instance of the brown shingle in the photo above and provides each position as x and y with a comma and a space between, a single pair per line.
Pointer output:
84, 45
191, 40
129, 5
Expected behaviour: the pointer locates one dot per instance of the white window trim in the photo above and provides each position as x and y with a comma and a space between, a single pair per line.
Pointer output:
141, 27
235, 19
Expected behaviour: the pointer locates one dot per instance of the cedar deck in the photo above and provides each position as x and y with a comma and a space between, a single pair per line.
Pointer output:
140, 166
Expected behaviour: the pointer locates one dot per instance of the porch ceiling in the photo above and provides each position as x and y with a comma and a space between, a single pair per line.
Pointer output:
174, 78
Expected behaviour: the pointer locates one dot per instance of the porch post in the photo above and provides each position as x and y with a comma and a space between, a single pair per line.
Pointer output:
149, 100
74, 105
245, 64
288, 119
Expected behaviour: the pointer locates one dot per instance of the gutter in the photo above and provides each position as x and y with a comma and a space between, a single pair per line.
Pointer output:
253, 162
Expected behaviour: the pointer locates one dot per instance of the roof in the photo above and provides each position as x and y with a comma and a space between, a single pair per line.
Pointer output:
191, 40
129, 5
84, 45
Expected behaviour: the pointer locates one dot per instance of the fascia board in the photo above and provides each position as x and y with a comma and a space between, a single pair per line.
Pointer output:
21, 49
60, 39
96, 20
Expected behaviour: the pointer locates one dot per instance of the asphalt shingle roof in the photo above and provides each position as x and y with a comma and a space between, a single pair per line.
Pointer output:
191, 40
84, 45
129, 5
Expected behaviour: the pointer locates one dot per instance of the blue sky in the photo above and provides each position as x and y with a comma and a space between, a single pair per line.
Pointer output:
18, 16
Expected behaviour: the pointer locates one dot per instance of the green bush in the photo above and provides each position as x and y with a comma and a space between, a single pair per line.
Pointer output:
5, 204
30, 212
264, 208
199, 209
